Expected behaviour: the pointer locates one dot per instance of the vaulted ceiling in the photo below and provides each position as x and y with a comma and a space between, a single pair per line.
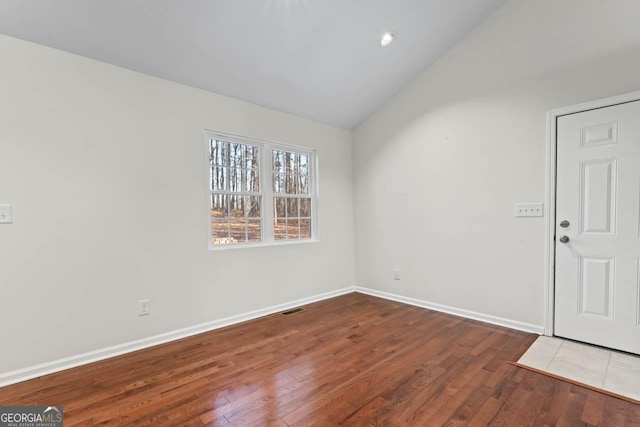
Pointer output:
319, 59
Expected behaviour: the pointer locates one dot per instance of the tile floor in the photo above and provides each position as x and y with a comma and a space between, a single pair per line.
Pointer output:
598, 367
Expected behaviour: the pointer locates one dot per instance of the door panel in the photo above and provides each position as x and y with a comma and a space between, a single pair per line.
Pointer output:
604, 134
595, 288
598, 182
597, 283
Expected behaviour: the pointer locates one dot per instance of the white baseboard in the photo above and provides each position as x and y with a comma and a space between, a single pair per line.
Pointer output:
500, 321
31, 372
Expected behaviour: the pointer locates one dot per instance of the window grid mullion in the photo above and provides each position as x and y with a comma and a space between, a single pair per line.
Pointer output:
266, 168
235, 193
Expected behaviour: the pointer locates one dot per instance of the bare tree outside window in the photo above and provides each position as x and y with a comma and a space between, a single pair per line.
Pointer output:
246, 210
292, 201
235, 192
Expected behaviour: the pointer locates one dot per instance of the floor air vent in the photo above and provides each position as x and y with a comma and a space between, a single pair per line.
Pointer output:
293, 311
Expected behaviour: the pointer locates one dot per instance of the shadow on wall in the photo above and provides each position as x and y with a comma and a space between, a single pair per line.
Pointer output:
437, 89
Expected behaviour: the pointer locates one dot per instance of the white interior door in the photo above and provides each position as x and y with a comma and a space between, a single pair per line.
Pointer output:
597, 282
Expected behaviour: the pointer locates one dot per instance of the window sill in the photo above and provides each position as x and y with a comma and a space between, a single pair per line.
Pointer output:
217, 248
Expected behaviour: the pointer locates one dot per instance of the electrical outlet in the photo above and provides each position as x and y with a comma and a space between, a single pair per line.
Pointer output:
396, 274
6, 216
529, 209
144, 307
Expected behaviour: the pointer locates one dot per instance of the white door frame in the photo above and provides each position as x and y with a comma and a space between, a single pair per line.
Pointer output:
550, 195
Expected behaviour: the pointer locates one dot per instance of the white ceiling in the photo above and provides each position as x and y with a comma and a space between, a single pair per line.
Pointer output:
319, 59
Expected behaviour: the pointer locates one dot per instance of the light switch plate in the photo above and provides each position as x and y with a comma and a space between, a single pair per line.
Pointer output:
6, 216
529, 209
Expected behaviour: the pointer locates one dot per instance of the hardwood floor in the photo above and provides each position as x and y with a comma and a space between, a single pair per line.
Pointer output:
353, 360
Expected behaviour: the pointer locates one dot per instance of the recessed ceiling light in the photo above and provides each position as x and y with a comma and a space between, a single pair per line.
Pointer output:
387, 38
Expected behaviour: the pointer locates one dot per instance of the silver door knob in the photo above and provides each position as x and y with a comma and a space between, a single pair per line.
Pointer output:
564, 224
564, 239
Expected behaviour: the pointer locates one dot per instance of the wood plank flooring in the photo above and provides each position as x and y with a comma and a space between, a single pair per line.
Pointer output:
353, 360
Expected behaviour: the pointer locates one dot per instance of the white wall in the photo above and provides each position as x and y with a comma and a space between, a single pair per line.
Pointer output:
105, 169
439, 168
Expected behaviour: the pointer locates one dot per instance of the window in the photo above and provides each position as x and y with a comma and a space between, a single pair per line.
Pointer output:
292, 204
245, 211
235, 192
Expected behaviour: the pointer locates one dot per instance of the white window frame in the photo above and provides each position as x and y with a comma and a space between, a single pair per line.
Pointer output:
266, 190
